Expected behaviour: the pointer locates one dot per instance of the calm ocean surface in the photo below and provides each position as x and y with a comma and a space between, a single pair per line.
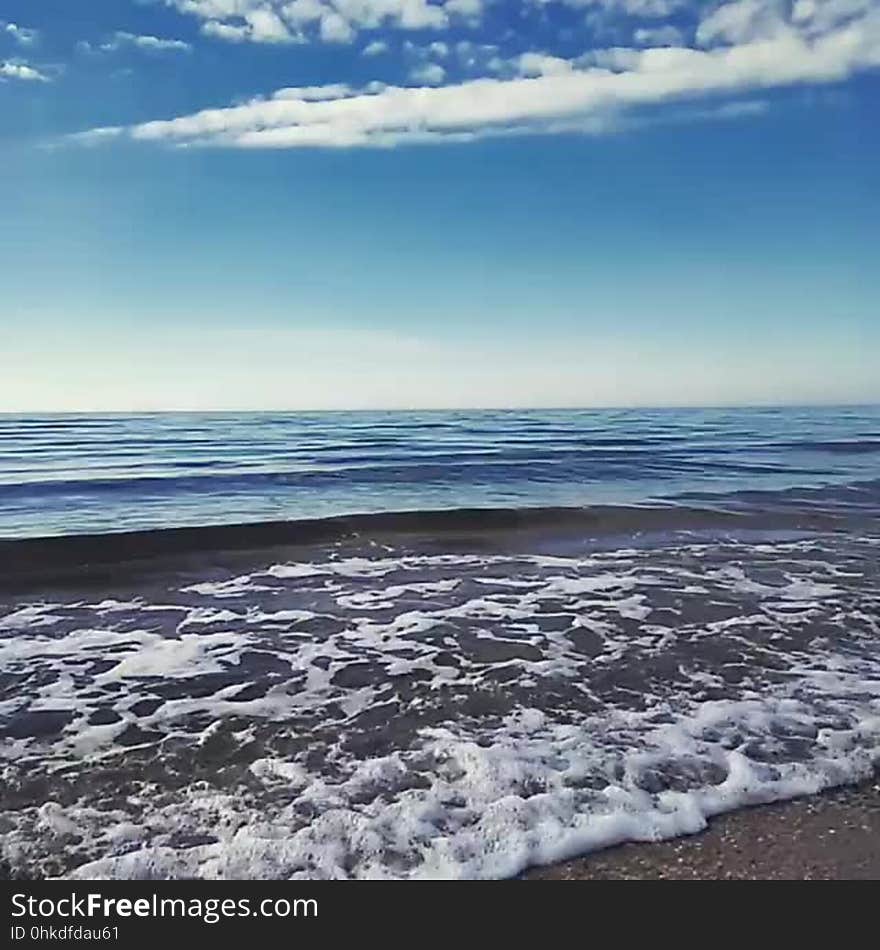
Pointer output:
62, 474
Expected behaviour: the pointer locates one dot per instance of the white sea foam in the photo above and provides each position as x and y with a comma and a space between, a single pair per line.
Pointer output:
439, 715
495, 808
29, 617
156, 656
234, 587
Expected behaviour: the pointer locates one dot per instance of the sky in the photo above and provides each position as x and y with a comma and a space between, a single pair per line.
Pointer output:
285, 204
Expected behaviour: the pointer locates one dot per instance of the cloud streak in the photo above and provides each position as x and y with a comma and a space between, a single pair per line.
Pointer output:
596, 88
152, 44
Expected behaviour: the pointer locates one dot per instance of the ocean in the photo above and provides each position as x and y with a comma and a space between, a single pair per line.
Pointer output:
77, 474
425, 644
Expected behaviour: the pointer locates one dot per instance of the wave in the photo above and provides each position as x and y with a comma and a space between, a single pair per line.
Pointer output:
842, 447
41, 555
558, 466
862, 496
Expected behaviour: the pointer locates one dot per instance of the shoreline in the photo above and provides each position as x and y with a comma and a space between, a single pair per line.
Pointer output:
834, 835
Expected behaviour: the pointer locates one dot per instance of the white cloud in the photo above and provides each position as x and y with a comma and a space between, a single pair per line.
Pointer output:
315, 93
223, 31
821, 15
340, 21
553, 94
239, 21
541, 64
330, 21
469, 9
21, 34
479, 58
635, 8
153, 44
266, 26
429, 74
743, 21
19, 70
736, 110
376, 48
658, 36
370, 14
336, 29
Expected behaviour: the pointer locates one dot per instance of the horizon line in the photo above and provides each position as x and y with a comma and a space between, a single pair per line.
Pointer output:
599, 407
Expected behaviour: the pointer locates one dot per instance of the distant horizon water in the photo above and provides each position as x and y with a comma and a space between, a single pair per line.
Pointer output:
550, 407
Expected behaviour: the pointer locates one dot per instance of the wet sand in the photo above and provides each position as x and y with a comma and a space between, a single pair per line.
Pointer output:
835, 836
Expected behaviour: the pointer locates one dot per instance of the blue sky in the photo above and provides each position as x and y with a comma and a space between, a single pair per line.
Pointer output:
395, 203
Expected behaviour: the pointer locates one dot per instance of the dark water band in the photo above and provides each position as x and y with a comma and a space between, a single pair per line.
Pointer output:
29, 555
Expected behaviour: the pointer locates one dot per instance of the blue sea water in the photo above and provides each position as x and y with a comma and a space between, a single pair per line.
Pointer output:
68, 474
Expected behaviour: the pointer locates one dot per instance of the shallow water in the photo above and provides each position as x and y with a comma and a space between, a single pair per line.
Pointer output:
396, 712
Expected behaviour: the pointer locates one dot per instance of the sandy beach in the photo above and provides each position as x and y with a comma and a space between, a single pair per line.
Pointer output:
834, 836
